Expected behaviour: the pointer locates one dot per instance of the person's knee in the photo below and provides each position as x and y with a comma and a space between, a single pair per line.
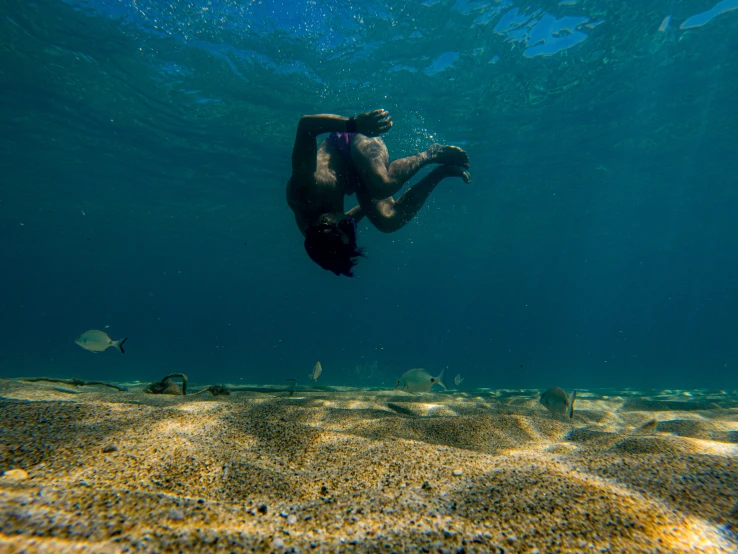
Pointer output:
384, 218
388, 224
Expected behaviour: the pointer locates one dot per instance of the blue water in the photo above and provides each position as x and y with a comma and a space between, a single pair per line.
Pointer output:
145, 150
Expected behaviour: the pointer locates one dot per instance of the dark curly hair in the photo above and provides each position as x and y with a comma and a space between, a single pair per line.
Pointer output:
333, 246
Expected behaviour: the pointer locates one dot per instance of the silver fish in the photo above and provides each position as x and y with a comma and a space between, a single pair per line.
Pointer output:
418, 380
557, 401
98, 341
315, 373
458, 380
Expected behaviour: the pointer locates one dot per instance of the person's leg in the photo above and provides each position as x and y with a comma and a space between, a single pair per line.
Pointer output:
381, 178
389, 215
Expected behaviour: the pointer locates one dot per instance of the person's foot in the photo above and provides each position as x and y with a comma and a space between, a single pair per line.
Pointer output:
448, 155
454, 171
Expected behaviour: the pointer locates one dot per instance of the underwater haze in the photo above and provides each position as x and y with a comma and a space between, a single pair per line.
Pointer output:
145, 148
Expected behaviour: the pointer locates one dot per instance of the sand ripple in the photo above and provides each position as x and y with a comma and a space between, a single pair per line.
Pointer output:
366, 471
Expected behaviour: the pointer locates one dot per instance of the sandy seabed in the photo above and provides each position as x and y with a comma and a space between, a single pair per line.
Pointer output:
347, 470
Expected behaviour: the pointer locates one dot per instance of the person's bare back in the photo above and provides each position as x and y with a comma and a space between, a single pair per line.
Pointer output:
354, 160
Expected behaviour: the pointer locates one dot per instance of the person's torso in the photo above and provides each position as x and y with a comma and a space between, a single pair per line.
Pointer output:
333, 179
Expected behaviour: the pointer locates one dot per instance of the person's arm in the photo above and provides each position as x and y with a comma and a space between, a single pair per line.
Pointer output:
314, 125
305, 151
356, 212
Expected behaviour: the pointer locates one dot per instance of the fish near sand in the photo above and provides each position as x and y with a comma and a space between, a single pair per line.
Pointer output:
315, 373
557, 402
458, 380
418, 380
98, 341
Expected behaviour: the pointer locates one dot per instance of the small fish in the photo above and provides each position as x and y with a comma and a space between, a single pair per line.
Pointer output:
458, 380
315, 373
98, 341
557, 402
418, 380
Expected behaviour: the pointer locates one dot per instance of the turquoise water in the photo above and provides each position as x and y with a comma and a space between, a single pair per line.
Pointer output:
145, 151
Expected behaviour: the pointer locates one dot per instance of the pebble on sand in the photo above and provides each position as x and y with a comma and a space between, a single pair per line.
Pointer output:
175, 514
16, 474
458, 473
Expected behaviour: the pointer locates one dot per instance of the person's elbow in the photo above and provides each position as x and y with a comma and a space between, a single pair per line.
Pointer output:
306, 125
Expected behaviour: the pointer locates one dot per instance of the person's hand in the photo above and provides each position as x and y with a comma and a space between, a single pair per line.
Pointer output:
373, 124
